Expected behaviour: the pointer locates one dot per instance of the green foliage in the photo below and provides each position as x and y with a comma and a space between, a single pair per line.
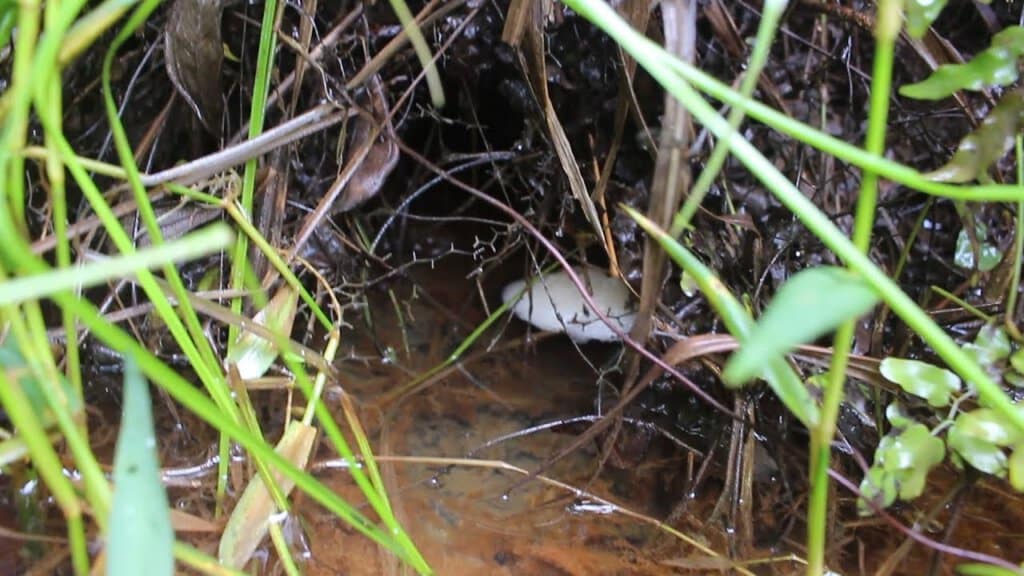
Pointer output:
979, 436
780, 376
982, 438
995, 66
903, 460
921, 14
921, 379
991, 347
809, 305
141, 537
987, 143
8, 16
989, 254
894, 476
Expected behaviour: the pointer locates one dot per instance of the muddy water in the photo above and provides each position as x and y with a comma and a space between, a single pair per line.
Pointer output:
469, 519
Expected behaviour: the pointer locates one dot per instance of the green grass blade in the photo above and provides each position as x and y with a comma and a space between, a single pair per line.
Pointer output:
33, 287
141, 538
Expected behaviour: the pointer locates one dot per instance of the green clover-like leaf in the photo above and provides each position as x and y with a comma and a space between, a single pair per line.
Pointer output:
980, 454
921, 379
878, 487
989, 254
988, 426
902, 463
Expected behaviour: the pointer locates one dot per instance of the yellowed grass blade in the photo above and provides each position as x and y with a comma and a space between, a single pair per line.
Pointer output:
248, 523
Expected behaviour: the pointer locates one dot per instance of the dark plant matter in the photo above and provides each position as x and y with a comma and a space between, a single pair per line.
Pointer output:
417, 263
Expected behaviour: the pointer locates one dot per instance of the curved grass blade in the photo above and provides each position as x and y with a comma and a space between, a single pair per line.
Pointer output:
211, 239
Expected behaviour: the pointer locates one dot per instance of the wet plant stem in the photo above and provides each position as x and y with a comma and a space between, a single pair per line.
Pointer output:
887, 29
257, 116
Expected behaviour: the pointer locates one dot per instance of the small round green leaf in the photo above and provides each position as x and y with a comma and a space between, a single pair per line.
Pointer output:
897, 415
989, 254
988, 426
921, 379
878, 487
980, 454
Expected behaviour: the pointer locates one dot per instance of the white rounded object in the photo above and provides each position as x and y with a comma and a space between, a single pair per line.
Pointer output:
554, 304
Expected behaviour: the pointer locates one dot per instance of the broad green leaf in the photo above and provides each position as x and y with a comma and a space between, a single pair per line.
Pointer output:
777, 372
988, 426
903, 460
921, 14
252, 354
990, 347
249, 520
980, 454
809, 305
897, 415
995, 66
921, 379
990, 256
986, 144
141, 538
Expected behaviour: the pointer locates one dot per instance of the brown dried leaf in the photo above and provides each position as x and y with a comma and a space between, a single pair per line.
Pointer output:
249, 520
193, 55
185, 522
374, 170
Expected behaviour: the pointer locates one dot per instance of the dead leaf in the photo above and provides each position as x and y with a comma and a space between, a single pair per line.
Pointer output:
249, 521
193, 56
374, 170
